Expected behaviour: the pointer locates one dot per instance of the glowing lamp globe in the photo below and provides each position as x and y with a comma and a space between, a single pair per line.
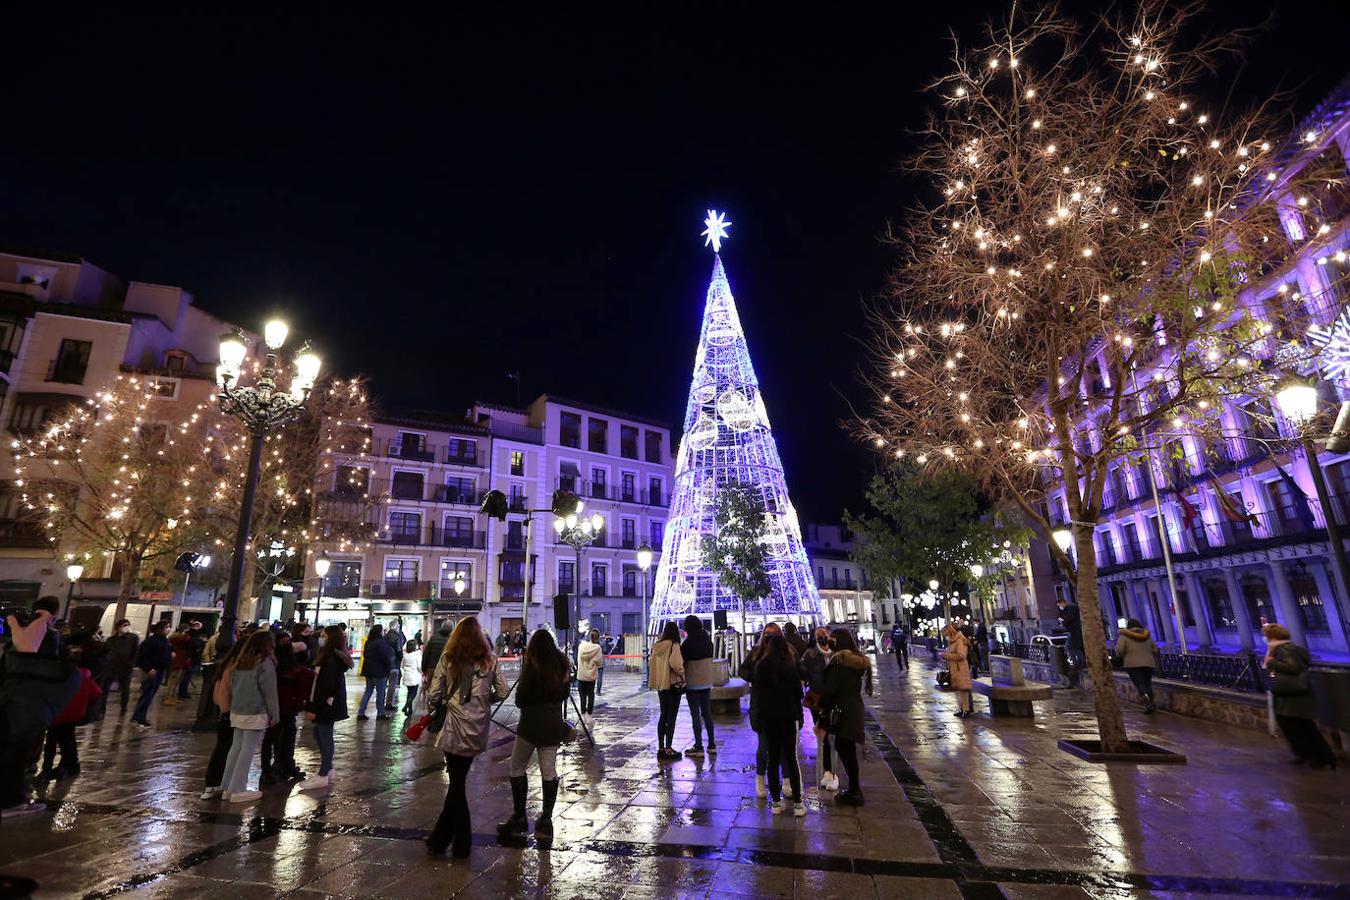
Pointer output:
1297, 398
597, 521
977, 570
644, 557
559, 525
459, 585
322, 565
274, 334
74, 571
233, 349
1063, 537
933, 584
307, 365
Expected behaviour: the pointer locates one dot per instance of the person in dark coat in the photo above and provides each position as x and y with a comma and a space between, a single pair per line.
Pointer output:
36, 686
795, 640
1135, 650
545, 676
747, 674
377, 661
697, 651
1071, 620
61, 734
328, 703
432, 654
294, 682
811, 667
847, 675
1288, 665
153, 659
395, 639
122, 647
778, 685
900, 645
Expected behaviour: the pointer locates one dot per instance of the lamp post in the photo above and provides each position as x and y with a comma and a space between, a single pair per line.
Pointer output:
262, 407
644, 561
1297, 398
577, 531
321, 566
73, 573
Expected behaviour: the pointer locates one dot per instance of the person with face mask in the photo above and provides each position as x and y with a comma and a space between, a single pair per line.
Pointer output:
812, 671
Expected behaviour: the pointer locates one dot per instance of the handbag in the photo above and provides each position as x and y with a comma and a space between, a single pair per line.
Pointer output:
1117, 661
414, 731
1284, 685
834, 718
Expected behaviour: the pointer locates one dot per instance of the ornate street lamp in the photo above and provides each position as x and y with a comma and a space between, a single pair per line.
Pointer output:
321, 566
644, 561
262, 407
73, 573
578, 530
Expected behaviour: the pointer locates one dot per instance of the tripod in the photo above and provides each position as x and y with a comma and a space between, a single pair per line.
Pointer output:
571, 697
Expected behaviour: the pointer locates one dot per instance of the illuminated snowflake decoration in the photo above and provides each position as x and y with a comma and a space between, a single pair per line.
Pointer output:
716, 229
727, 439
1333, 348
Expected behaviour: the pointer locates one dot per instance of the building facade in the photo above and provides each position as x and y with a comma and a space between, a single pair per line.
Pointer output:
1244, 527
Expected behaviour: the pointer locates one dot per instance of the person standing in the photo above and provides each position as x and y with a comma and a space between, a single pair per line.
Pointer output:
848, 673
467, 681
900, 644
432, 654
328, 701
294, 682
812, 670
982, 644
196, 644
778, 686
394, 638
590, 663
544, 684
61, 733
1288, 666
665, 675
606, 648
957, 656
377, 660
254, 706
178, 665
220, 695
748, 674
122, 648
37, 685
1071, 620
1135, 649
153, 659
411, 666
697, 651
795, 640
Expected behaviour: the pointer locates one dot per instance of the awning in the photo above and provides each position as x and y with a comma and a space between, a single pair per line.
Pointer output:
567, 467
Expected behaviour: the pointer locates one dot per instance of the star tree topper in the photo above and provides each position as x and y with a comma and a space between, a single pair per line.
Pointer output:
716, 229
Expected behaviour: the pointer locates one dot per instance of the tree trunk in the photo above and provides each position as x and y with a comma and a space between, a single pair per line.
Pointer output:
1110, 719
124, 587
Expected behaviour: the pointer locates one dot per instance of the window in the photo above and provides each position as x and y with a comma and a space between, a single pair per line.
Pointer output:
517, 462
598, 484
654, 442
352, 480
628, 487
175, 362
515, 538
452, 569
458, 531
343, 580
1309, 599
631, 623
568, 475
399, 571
1131, 532
599, 579
655, 491
406, 486
629, 527
628, 442
71, 362
458, 490
11, 338
569, 429
405, 527
164, 388
597, 435
566, 579
517, 497
630, 581
1256, 595
411, 445
512, 572
658, 533
820, 576
461, 450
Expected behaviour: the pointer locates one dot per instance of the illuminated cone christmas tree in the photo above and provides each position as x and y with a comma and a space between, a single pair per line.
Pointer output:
727, 440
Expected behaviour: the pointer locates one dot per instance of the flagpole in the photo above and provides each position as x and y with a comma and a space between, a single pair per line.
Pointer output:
1167, 556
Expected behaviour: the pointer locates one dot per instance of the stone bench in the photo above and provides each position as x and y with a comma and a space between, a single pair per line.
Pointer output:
1008, 691
726, 698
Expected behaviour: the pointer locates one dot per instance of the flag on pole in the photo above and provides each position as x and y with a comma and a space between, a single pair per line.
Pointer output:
1228, 504
1302, 507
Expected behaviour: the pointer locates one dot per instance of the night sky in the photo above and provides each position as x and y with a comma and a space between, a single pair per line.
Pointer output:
437, 201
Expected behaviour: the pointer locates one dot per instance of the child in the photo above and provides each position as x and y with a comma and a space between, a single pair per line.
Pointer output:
62, 731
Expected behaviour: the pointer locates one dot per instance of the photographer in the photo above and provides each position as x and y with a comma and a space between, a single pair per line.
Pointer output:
36, 685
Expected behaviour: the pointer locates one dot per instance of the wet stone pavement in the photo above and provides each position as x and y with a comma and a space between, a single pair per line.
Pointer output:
975, 808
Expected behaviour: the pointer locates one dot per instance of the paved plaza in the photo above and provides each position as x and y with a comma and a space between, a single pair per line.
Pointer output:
975, 808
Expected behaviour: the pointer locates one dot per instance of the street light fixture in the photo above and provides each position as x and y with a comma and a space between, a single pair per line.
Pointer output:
73, 573
1063, 537
644, 561
578, 531
321, 566
1297, 398
262, 407
932, 584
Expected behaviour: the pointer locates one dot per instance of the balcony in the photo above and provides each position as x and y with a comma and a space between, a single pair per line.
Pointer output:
519, 503
461, 458
400, 590
601, 491
449, 493
341, 591
412, 452
431, 536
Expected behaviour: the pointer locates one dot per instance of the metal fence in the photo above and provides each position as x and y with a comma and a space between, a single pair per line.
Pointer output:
1239, 673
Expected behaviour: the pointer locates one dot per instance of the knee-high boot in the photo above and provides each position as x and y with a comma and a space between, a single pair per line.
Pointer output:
518, 825
543, 826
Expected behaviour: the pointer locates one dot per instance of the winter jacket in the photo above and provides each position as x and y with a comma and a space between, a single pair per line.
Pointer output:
698, 662
377, 658
845, 677
775, 696
1289, 661
797, 643
293, 689
33, 690
541, 700
468, 702
328, 699
154, 654
1072, 619
253, 693
411, 668
1136, 647
666, 669
396, 641
811, 667
957, 655
432, 654
78, 707
179, 647
122, 651
590, 658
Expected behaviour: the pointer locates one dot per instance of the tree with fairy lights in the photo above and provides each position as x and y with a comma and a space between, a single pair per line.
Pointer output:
1073, 296
114, 477
735, 551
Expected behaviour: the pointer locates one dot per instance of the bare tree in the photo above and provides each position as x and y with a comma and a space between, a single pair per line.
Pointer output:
1074, 293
